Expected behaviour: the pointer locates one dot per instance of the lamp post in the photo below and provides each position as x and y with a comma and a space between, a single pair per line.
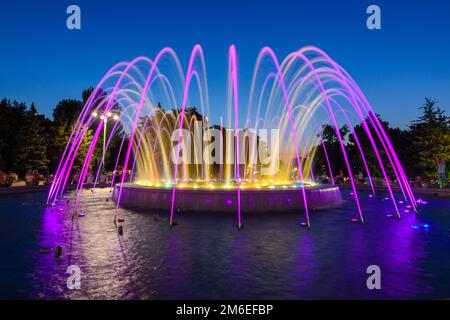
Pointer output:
104, 118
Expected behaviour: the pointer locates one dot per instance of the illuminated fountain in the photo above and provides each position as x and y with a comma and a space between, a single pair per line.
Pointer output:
258, 158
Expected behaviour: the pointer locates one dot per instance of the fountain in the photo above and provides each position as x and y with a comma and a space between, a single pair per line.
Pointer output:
172, 157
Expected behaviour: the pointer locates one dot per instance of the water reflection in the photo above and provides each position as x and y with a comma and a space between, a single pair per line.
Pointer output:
205, 256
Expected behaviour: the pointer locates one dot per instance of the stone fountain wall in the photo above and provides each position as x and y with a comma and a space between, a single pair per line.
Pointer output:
135, 196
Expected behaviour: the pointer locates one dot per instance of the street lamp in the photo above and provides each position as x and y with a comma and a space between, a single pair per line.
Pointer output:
104, 118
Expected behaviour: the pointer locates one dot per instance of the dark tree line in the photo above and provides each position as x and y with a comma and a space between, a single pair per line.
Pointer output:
29, 140
418, 147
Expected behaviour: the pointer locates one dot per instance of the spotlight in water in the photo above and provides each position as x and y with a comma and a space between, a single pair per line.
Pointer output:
424, 226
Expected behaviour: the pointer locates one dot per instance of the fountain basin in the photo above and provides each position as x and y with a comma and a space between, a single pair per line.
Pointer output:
220, 200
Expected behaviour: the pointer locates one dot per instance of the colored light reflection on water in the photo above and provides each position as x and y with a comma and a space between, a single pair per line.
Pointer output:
218, 185
273, 256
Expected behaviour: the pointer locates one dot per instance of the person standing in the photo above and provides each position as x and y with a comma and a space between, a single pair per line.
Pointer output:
441, 173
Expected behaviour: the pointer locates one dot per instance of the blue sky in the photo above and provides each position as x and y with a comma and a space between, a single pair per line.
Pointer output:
396, 67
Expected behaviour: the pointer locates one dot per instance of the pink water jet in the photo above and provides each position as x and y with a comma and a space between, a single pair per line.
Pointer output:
296, 96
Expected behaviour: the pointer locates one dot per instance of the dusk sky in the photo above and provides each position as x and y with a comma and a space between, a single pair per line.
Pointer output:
396, 67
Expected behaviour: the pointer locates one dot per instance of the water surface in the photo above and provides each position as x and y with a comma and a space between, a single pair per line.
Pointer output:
206, 257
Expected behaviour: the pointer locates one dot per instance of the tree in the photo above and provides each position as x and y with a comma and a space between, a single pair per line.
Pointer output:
32, 140
431, 139
334, 150
400, 140
67, 110
12, 118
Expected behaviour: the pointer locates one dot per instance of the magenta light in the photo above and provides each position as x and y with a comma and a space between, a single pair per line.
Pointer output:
138, 112
300, 55
318, 68
197, 50
233, 70
367, 130
267, 50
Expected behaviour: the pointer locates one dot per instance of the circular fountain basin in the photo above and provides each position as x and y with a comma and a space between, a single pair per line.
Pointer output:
223, 200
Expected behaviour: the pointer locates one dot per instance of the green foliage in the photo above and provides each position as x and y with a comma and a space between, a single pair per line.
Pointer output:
65, 116
12, 117
418, 148
67, 111
431, 139
32, 139
334, 150
59, 136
